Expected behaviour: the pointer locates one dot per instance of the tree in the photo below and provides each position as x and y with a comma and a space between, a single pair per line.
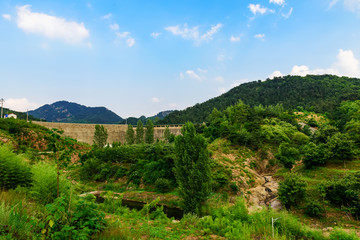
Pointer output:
149, 133
291, 190
340, 147
287, 155
192, 168
139, 132
100, 136
167, 134
130, 135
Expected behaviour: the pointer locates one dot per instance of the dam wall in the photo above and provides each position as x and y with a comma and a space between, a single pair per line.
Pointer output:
116, 132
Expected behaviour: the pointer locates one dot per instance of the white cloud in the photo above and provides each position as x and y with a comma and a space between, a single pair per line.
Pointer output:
345, 65
202, 70
20, 104
235, 39
214, 29
287, 15
238, 82
155, 34
260, 36
222, 90
181, 75
172, 104
256, 8
278, 2
130, 42
122, 34
193, 75
275, 74
114, 26
221, 57
193, 33
352, 5
6, 16
219, 79
50, 26
107, 16
155, 100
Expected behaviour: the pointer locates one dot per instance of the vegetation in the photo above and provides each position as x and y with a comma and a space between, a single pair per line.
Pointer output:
139, 132
312, 92
192, 168
100, 136
221, 174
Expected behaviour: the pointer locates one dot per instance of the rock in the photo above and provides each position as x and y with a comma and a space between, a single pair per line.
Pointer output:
175, 221
276, 204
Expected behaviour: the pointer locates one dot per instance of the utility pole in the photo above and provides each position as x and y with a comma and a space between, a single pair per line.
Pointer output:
2, 105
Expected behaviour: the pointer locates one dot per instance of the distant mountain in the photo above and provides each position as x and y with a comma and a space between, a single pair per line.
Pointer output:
319, 93
133, 120
64, 111
162, 115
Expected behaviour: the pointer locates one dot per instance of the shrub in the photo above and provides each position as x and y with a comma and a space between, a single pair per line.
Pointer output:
163, 185
234, 187
44, 188
314, 209
13, 170
339, 234
291, 190
60, 223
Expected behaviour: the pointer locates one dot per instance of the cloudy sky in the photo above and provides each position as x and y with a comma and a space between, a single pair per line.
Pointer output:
141, 57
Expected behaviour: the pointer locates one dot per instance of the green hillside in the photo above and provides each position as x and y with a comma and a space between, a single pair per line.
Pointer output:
315, 93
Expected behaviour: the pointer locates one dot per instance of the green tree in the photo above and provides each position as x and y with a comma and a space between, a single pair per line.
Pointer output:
149, 133
100, 136
139, 132
291, 190
287, 155
167, 134
130, 135
192, 168
340, 147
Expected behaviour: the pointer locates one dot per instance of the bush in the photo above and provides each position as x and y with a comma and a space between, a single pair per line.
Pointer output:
84, 221
339, 234
44, 188
163, 185
345, 192
291, 190
13, 170
234, 187
314, 209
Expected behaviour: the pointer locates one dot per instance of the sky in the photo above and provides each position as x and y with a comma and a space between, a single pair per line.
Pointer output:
140, 57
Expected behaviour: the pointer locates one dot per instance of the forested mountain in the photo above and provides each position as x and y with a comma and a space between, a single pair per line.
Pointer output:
64, 111
319, 93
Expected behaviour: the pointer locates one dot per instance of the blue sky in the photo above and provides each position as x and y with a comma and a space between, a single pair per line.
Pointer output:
142, 57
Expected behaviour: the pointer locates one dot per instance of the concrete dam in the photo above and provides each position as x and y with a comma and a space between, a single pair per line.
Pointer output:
116, 133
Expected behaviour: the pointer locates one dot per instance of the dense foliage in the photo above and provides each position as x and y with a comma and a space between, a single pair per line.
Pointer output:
14, 171
192, 168
100, 136
319, 93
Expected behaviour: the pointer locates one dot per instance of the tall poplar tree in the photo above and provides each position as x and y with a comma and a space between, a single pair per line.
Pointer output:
192, 168
149, 133
130, 135
139, 132
100, 136
167, 134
